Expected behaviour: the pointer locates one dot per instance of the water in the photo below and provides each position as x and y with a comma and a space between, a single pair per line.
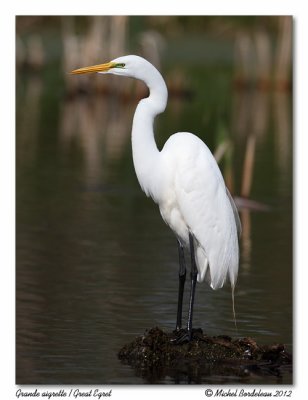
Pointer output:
97, 266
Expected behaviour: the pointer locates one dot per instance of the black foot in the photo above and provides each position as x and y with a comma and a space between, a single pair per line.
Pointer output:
184, 335
181, 336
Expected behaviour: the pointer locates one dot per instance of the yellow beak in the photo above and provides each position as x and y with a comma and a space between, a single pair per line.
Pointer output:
94, 68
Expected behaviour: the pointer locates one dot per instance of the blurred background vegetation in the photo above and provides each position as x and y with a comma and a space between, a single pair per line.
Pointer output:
259, 49
251, 57
82, 220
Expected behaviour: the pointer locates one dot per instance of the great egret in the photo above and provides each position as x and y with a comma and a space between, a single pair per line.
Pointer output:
186, 183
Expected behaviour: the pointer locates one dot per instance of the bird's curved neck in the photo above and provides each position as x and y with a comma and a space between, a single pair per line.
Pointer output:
145, 151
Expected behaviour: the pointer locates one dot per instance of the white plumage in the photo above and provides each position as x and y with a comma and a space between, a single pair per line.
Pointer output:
186, 183
196, 201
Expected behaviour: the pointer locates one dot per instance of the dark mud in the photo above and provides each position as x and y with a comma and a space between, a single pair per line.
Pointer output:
156, 355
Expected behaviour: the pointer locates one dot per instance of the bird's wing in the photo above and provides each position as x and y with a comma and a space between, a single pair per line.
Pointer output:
235, 213
205, 206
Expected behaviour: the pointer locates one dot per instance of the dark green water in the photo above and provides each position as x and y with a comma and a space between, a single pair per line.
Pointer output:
97, 266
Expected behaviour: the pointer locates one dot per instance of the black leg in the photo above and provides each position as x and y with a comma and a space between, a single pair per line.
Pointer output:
185, 335
194, 273
182, 278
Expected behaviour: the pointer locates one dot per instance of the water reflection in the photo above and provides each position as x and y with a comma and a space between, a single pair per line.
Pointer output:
100, 128
95, 263
28, 121
283, 135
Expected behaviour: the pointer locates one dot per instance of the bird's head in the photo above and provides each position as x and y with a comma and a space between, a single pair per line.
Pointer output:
131, 66
138, 68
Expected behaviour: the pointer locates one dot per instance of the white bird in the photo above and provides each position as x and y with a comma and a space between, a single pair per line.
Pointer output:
186, 183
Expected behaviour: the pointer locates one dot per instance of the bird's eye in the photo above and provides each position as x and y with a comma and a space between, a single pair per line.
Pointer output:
120, 65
